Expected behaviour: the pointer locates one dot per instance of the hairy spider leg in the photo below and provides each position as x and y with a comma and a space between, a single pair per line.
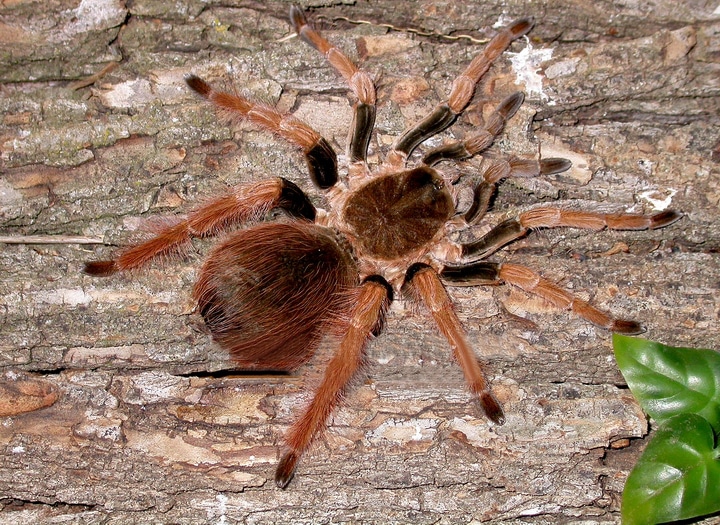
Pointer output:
551, 217
532, 282
481, 140
245, 202
359, 82
461, 93
491, 273
319, 155
497, 169
373, 298
423, 282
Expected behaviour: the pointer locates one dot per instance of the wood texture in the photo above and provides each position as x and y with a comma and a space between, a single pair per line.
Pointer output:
151, 425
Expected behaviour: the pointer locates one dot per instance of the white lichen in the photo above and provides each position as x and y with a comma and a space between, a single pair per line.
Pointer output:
526, 65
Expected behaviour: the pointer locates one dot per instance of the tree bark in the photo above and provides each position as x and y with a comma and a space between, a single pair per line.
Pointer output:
131, 414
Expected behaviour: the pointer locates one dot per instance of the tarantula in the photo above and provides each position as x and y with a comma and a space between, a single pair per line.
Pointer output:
270, 291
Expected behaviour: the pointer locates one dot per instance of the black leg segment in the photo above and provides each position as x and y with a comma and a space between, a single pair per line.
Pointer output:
294, 201
322, 164
362, 127
495, 239
472, 274
441, 118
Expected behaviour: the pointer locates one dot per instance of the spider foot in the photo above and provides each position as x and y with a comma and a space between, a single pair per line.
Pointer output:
663, 218
198, 85
622, 326
100, 268
286, 469
492, 408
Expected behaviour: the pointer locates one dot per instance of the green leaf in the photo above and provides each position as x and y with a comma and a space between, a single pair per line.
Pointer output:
678, 475
668, 381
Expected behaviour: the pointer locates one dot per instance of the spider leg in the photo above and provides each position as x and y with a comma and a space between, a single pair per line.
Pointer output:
245, 202
532, 282
497, 169
502, 169
461, 92
319, 155
480, 141
549, 217
421, 280
372, 300
360, 83
490, 273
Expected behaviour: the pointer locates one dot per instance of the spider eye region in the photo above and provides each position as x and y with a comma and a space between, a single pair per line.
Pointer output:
399, 213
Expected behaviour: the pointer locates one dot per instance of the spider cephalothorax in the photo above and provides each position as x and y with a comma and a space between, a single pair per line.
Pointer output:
271, 290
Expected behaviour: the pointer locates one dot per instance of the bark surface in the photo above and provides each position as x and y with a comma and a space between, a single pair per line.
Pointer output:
130, 414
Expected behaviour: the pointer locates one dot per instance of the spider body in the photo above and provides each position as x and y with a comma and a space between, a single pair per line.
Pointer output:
270, 291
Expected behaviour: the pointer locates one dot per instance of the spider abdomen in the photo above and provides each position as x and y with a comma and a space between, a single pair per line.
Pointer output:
268, 293
394, 215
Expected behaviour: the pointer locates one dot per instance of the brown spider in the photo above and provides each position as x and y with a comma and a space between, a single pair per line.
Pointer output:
271, 291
